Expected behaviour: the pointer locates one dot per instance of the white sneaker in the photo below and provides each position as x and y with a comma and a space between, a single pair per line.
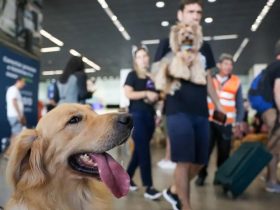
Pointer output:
166, 164
152, 194
272, 188
133, 187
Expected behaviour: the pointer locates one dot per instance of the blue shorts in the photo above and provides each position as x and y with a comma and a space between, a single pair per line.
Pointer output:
15, 124
189, 138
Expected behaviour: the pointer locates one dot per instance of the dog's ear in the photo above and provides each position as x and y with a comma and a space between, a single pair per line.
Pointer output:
174, 38
25, 167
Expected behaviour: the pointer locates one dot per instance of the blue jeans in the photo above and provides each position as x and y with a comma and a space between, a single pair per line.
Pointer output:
144, 126
15, 124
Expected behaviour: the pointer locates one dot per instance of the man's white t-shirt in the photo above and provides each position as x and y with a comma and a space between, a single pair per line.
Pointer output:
13, 93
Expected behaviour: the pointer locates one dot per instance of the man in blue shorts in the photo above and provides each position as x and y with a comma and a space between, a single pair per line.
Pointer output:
187, 117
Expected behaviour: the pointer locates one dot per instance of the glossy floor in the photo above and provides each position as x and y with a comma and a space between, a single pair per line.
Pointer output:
203, 198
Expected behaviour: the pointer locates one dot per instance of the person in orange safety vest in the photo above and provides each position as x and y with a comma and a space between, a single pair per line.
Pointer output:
229, 90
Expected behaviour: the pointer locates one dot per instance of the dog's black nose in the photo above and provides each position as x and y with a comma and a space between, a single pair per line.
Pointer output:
125, 119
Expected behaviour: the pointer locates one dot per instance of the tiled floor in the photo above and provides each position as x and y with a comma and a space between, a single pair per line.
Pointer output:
203, 198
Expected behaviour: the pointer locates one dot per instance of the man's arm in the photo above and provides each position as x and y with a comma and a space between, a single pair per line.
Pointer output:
212, 92
274, 139
277, 93
239, 105
15, 104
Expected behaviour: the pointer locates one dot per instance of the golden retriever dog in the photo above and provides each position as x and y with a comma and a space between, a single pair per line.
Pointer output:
59, 164
185, 62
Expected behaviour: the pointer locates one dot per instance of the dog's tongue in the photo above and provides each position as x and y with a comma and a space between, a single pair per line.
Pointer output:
112, 174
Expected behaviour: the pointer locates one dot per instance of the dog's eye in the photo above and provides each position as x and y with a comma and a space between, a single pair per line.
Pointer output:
75, 119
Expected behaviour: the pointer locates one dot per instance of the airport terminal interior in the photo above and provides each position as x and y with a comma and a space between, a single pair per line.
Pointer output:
139, 105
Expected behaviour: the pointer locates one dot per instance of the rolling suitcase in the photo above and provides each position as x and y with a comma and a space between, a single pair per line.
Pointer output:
242, 167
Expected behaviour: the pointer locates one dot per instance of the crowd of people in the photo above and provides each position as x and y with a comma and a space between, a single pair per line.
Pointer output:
198, 117
193, 127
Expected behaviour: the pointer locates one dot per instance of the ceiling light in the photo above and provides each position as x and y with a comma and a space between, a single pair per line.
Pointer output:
150, 42
114, 18
50, 49
90, 70
164, 23
57, 72
208, 20
51, 38
262, 15
74, 52
126, 35
225, 37
160, 4
52, 72
211, 1
207, 38
220, 37
103, 4
91, 63
240, 49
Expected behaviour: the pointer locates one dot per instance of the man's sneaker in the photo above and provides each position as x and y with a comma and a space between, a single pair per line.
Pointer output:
152, 194
273, 188
170, 197
133, 187
177, 206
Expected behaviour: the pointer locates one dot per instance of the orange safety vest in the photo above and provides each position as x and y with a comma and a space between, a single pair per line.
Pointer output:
227, 95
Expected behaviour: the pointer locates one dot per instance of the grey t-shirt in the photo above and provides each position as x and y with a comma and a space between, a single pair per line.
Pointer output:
68, 92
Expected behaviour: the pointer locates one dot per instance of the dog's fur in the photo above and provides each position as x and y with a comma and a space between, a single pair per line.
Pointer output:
38, 167
173, 67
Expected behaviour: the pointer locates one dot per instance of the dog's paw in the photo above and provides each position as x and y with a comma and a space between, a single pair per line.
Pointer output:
199, 80
176, 85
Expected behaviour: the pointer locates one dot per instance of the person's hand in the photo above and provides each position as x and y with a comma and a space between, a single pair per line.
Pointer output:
152, 96
220, 108
158, 120
238, 131
158, 117
22, 120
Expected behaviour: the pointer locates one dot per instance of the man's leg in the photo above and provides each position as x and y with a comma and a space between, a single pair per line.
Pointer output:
272, 170
202, 174
269, 118
224, 144
167, 151
195, 169
182, 179
182, 141
16, 128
